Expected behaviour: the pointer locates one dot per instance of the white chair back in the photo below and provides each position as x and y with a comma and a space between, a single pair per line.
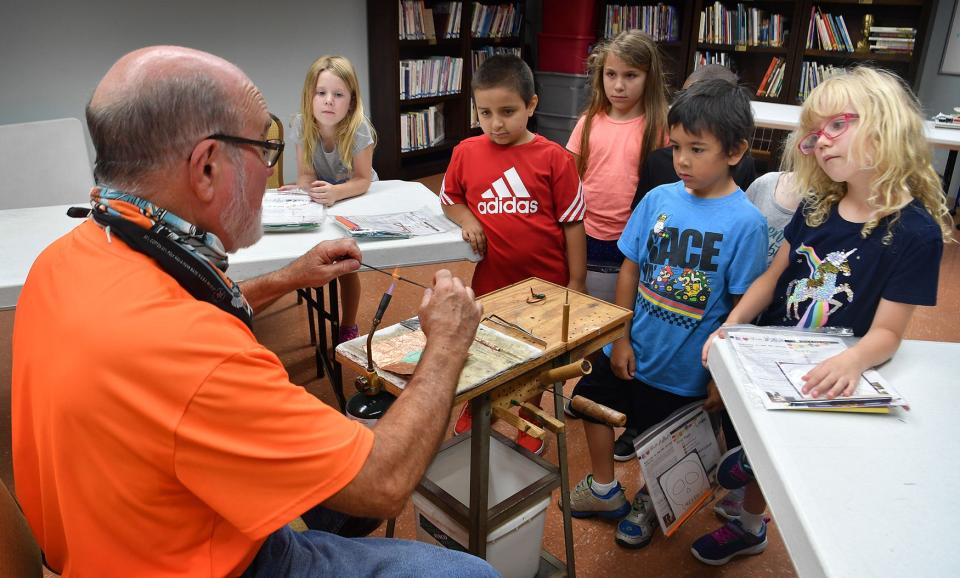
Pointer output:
44, 163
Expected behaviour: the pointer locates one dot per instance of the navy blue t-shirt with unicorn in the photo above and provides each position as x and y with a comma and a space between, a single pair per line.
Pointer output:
836, 277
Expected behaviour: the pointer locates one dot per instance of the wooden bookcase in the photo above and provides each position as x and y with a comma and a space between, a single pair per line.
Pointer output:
386, 51
751, 62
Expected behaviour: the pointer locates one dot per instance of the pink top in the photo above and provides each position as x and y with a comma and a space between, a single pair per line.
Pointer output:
613, 171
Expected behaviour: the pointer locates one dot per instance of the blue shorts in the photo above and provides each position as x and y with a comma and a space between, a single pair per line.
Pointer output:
603, 256
643, 404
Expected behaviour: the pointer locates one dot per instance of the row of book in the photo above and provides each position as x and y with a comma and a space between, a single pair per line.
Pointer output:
772, 81
417, 22
813, 73
712, 57
496, 21
479, 55
828, 32
660, 22
892, 39
421, 129
742, 26
434, 76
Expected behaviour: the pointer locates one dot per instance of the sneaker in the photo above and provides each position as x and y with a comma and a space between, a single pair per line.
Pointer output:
531, 443
464, 420
730, 506
734, 471
623, 448
636, 530
569, 411
348, 332
585, 503
731, 539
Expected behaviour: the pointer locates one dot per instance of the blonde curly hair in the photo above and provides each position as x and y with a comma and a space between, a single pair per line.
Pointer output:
889, 141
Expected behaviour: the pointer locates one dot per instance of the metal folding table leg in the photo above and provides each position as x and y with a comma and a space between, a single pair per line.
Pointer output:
564, 480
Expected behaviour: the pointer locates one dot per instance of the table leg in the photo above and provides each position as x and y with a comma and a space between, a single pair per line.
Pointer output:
479, 474
327, 363
947, 177
564, 480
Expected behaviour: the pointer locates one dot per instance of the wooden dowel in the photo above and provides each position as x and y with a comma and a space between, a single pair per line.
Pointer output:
599, 412
519, 423
565, 324
546, 420
565, 372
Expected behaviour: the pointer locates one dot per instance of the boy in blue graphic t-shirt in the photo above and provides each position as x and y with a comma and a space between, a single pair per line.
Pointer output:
691, 247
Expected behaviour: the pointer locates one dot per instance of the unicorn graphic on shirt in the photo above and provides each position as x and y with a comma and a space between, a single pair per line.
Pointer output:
820, 288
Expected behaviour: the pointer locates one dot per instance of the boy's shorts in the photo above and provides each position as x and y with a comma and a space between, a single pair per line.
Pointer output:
643, 404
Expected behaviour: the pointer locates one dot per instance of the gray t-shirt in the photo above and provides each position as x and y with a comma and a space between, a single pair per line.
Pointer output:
761, 194
329, 167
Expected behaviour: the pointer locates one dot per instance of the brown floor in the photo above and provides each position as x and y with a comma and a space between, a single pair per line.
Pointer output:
283, 328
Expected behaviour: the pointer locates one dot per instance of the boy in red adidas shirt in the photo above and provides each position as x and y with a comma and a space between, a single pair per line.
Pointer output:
515, 194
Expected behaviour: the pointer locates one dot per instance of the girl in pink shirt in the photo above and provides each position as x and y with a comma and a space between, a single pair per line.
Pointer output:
625, 120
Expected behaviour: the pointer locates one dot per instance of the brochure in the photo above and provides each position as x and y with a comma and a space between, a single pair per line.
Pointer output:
394, 225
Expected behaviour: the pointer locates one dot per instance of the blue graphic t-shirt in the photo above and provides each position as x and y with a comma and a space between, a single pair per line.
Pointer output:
694, 254
836, 278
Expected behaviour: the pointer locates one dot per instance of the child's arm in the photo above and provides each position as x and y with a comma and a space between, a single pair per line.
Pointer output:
472, 229
840, 374
757, 297
576, 239
327, 194
623, 362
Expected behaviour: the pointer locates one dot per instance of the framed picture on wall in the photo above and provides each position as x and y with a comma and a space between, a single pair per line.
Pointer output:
950, 64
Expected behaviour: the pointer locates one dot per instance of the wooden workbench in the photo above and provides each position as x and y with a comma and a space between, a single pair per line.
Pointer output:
592, 324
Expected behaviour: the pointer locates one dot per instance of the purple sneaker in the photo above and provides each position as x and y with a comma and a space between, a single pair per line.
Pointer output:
734, 471
348, 332
730, 540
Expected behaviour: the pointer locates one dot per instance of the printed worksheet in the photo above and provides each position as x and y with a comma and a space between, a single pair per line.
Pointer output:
776, 362
405, 224
290, 210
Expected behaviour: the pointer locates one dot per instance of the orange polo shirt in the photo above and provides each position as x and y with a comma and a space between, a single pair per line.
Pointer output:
152, 434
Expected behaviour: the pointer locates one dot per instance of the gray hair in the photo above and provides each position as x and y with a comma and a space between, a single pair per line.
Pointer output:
151, 126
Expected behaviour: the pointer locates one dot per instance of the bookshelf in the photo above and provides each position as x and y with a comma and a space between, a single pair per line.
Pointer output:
751, 55
396, 36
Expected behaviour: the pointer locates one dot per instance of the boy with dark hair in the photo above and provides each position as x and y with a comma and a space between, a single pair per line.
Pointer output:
515, 194
692, 248
658, 166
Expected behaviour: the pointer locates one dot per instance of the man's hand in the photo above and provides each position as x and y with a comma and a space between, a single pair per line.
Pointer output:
326, 261
622, 359
450, 314
322, 192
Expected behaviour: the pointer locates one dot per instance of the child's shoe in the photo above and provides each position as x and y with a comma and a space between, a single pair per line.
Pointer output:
636, 530
585, 503
730, 540
464, 420
569, 411
348, 332
623, 450
734, 471
531, 443
730, 506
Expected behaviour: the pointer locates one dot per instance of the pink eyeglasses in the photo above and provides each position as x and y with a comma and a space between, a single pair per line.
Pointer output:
834, 127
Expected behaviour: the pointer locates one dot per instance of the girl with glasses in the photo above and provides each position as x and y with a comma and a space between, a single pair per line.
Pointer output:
335, 153
862, 251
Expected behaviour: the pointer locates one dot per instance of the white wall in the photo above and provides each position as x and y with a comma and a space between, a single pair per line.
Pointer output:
52, 54
940, 92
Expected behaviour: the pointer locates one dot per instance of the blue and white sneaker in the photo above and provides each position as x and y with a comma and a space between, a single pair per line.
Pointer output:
585, 503
734, 471
636, 530
730, 540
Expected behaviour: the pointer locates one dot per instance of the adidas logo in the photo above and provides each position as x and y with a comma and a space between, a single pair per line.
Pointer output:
504, 199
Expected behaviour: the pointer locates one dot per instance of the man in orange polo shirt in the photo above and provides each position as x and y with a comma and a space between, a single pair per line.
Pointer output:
152, 434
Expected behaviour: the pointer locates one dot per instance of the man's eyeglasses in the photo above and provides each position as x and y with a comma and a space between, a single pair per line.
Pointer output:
834, 127
270, 149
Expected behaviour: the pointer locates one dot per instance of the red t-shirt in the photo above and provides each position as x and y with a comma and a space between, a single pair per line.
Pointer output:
520, 194
152, 434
